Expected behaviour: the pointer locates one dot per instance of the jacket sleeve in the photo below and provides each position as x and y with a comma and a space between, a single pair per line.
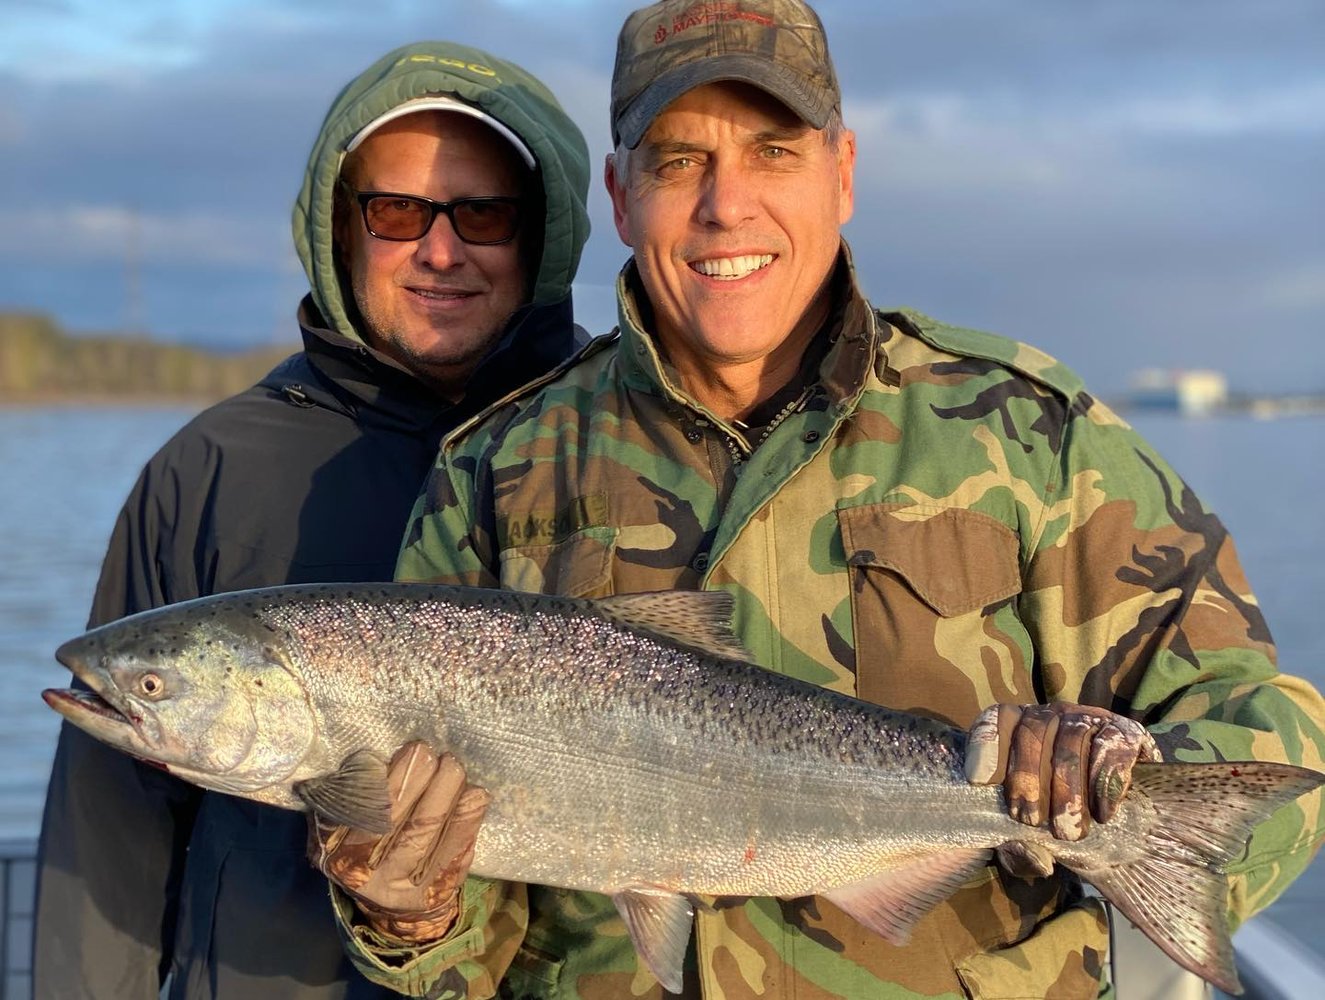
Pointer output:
1137, 602
443, 545
114, 831
467, 964
447, 539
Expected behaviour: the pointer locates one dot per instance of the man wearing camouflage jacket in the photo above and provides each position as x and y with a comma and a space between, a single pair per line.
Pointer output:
931, 518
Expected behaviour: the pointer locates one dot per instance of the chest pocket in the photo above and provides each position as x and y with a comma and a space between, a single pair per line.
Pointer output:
577, 566
933, 610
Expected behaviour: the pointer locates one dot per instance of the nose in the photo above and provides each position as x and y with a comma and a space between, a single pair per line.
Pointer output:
727, 198
440, 248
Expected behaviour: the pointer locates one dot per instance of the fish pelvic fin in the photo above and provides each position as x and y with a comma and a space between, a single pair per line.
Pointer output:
891, 903
698, 619
659, 923
1177, 892
355, 794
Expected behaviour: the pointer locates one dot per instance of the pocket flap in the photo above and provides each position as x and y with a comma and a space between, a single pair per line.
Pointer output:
1064, 957
578, 566
956, 560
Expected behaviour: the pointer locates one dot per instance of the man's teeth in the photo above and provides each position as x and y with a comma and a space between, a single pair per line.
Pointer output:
730, 268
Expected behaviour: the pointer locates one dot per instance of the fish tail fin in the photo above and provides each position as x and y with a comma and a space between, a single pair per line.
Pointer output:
1177, 891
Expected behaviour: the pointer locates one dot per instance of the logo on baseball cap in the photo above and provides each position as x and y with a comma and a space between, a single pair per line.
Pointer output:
668, 48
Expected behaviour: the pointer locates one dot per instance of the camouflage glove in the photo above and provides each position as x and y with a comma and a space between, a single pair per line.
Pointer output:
406, 883
1061, 765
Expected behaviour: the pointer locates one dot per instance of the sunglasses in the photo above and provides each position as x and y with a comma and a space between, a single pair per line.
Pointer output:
407, 217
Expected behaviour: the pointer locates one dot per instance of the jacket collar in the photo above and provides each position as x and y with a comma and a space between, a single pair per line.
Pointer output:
851, 329
364, 382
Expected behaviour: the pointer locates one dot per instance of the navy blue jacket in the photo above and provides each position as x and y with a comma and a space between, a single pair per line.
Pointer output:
309, 476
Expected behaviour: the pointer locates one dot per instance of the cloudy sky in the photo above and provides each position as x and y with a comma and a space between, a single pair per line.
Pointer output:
1125, 183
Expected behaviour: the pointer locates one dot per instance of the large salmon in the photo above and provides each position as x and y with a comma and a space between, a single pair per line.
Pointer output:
631, 748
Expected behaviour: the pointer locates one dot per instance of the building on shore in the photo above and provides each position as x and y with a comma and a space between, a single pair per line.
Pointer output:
1195, 392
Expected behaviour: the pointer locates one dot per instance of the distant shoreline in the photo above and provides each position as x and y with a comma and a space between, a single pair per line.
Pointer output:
91, 401
41, 365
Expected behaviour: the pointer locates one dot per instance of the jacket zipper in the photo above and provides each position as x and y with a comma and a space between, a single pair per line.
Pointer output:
734, 446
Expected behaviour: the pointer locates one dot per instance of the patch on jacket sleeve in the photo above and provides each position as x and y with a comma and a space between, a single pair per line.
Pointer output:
1022, 358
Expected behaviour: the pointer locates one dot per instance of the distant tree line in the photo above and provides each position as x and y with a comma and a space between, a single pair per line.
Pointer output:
40, 361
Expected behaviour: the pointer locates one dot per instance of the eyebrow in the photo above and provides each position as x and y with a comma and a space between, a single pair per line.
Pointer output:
778, 133
670, 147
783, 133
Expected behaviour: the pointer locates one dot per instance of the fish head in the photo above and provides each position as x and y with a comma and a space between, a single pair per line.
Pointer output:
213, 700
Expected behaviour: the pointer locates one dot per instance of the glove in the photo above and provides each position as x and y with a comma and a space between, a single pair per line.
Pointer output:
406, 882
1061, 765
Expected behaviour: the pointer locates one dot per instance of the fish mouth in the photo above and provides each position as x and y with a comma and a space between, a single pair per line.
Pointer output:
72, 701
101, 709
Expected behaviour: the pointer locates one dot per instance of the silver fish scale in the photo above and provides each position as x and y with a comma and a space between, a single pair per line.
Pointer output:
589, 736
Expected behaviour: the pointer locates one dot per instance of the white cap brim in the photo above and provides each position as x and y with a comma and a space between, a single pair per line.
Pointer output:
441, 102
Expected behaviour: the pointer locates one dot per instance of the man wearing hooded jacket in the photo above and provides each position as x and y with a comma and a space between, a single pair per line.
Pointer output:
440, 223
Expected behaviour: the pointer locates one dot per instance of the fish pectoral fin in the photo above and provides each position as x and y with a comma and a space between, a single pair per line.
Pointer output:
890, 903
698, 619
355, 794
659, 924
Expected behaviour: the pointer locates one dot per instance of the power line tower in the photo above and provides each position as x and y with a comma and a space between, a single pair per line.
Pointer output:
135, 317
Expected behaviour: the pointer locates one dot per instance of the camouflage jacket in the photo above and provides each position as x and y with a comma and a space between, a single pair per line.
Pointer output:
944, 520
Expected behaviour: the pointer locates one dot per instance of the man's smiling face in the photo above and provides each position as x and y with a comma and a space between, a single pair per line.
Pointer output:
733, 207
437, 304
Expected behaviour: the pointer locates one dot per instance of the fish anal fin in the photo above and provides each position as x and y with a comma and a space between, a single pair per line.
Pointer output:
659, 924
698, 619
355, 794
891, 902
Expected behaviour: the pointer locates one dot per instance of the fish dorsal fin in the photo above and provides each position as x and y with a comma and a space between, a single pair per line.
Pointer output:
699, 619
354, 794
890, 904
659, 924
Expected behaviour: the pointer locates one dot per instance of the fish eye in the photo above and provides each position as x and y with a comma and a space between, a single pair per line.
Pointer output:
151, 685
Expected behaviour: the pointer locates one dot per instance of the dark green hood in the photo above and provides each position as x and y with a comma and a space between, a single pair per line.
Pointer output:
501, 89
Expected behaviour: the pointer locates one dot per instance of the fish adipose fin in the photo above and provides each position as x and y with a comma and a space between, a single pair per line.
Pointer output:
891, 903
659, 924
698, 619
354, 794
1177, 893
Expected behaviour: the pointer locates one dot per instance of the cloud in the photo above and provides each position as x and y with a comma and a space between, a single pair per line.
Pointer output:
113, 234
11, 125
1299, 286
1289, 109
1110, 181
89, 39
